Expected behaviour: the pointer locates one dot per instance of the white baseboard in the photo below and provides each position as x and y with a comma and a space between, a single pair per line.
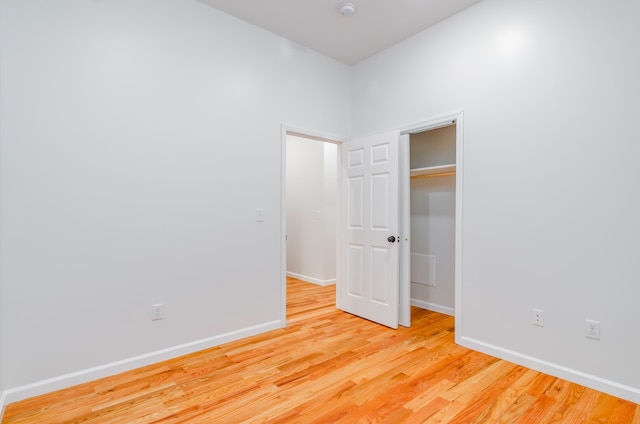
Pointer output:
601, 384
3, 403
52, 384
311, 279
433, 307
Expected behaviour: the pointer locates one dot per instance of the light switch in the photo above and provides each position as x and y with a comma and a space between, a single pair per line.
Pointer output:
259, 215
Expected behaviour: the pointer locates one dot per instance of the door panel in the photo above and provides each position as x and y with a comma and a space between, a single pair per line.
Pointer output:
380, 270
370, 215
380, 200
355, 202
355, 264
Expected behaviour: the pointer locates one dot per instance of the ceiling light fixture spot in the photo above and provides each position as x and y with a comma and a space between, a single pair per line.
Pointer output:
347, 9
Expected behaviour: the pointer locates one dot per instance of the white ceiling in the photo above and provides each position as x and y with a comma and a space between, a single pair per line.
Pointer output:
317, 24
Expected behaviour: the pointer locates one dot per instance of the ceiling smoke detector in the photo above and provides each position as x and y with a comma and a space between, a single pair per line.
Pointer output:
347, 9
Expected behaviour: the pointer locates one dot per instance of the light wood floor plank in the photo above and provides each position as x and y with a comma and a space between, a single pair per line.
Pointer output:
328, 366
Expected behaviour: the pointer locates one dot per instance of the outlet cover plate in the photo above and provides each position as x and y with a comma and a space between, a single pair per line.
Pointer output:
592, 329
537, 317
156, 312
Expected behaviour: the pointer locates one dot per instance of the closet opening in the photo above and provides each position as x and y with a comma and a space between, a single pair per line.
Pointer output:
432, 217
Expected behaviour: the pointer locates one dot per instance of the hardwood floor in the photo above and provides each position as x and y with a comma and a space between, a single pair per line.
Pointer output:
330, 367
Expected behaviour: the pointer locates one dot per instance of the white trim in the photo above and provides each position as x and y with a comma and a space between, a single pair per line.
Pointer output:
283, 223
601, 384
313, 134
3, 404
433, 123
339, 228
67, 380
433, 307
404, 216
311, 279
458, 229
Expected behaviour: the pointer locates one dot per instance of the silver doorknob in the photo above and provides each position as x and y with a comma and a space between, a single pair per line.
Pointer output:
391, 239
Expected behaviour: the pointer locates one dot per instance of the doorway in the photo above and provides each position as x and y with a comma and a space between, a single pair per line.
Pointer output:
432, 218
431, 214
310, 207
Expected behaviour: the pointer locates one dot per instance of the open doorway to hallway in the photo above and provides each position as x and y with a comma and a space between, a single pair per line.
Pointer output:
311, 209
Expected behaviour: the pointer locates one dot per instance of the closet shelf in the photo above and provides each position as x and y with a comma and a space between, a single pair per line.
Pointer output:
434, 171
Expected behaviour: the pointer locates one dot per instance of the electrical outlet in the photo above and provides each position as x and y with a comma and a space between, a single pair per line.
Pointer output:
156, 312
592, 329
537, 317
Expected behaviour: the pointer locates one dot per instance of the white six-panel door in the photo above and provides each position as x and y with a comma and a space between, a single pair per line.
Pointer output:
369, 274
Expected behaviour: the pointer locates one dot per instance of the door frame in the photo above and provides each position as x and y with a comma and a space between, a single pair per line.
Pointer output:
456, 117
289, 129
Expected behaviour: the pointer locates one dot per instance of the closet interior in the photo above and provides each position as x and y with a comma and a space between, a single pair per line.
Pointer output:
432, 218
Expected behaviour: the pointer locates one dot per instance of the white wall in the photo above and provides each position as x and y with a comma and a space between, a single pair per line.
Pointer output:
138, 137
128, 128
551, 199
311, 209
